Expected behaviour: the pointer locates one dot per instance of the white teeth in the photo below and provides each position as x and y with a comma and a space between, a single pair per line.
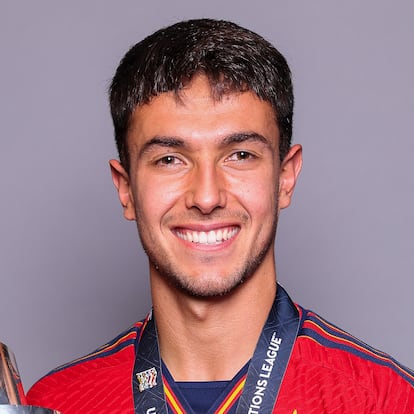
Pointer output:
203, 238
212, 237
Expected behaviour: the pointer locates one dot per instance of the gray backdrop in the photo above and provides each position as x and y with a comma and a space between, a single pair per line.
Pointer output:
72, 271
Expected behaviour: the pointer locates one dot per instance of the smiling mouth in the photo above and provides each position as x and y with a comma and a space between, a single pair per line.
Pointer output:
208, 237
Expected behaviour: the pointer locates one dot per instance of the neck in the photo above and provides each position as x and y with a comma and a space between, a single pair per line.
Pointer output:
211, 339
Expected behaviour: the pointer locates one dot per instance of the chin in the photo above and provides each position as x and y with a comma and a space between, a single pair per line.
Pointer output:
206, 285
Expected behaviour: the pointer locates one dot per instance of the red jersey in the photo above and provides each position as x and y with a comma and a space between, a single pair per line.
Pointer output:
329, 371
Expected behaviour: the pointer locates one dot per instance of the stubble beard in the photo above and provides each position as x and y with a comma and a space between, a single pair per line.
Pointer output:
215, 286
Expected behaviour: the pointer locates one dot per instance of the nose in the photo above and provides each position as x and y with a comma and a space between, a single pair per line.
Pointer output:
207, 189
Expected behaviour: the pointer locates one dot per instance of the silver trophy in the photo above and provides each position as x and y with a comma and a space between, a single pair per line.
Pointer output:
12, 398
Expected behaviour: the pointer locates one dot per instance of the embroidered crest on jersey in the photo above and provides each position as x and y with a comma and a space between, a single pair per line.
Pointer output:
147, 379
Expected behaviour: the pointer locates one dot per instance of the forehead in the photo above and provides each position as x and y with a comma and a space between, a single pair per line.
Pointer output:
195, 114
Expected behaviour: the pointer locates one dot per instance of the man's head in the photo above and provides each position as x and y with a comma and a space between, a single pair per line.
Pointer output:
233, 59
202, 113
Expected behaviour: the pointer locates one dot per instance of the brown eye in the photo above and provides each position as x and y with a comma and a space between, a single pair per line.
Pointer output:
168, 160
240, 156
243, 155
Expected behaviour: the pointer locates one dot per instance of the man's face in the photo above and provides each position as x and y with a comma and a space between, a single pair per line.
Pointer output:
205, 186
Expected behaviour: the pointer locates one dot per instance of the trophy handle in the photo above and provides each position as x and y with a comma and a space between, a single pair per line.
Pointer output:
12, 398
11, 389
25, 409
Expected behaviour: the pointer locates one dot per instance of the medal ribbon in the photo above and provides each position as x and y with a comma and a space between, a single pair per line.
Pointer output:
265, 373
147, 385
271, 356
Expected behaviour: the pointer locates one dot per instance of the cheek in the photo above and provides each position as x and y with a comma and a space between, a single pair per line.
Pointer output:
258, 194
260, 202
155, 197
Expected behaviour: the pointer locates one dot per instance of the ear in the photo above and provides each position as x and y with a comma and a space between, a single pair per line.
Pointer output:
289, 172
121, 181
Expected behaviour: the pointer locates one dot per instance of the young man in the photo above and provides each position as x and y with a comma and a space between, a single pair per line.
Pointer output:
203, 122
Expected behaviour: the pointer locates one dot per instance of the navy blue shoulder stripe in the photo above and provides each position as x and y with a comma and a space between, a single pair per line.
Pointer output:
329, 335
120, 342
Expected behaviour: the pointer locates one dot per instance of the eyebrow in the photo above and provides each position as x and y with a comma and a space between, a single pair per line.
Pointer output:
161, 141
243, 137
